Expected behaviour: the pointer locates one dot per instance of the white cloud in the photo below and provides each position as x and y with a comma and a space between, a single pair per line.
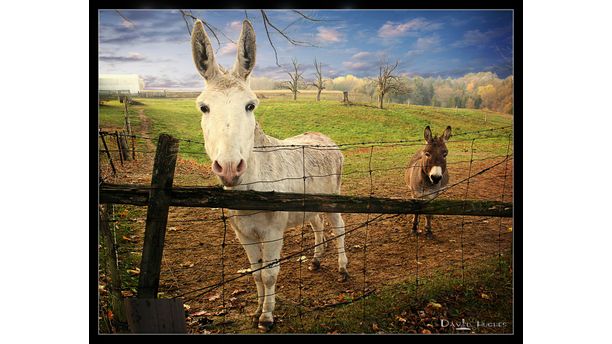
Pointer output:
235, 25
329, 35
427, 43
361, 55
136, 56
355, 65
228, 49
392, 29
476, 37
127, 24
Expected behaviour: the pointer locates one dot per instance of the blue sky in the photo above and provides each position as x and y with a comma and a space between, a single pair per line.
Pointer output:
155, 44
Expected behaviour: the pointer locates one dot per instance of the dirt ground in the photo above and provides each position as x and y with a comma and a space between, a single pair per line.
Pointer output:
193, 257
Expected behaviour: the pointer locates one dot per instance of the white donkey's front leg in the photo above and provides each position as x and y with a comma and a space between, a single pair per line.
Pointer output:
271, 255
253, 251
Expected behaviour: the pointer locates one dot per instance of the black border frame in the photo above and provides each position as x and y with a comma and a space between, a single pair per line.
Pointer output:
232, 4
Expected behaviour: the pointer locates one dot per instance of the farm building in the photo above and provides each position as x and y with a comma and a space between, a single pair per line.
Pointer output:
120, 82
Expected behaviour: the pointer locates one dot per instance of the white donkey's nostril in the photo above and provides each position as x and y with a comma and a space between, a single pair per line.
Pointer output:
241, 168
217, 168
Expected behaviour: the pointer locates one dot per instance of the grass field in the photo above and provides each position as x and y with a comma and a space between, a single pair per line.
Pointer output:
344, 124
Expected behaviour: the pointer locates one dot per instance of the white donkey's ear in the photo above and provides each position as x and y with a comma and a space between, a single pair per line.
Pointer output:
245, 60
203, 55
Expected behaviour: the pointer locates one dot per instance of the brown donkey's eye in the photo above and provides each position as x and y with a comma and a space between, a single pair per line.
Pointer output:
427, 154
204, 109
250, 107
445, 153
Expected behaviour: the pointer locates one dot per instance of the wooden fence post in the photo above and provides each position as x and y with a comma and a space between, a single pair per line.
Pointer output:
117, 304
108, 154
119, 147
146, 313
123, 146
157, 215
345, 97
128, 127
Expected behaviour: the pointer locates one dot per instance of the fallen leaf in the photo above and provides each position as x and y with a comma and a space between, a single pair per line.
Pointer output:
110, 314
127, 293
200, 313
134, 271
186, 306
426, 331
375, 327
171, 229
452, 240
124, 213
485, 296
302, 259
400, 319
509, 229
187, 264
434, 305
242, 271
238, 292
126, 238
214, 297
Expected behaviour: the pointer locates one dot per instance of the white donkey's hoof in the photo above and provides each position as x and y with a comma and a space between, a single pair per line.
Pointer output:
344, 276
265, 326
315, 265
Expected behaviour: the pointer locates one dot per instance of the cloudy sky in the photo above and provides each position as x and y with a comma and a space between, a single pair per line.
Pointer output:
155, 44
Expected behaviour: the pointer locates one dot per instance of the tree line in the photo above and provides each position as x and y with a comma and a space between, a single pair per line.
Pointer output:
483, 90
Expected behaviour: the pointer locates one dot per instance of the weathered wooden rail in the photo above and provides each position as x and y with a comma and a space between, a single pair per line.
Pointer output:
216, 197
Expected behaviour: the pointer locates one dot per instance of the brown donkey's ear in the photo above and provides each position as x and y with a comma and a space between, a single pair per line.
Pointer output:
245, 60
447, 134
203, 55
427, 133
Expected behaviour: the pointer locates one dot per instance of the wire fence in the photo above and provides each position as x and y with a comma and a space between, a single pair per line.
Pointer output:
206, 266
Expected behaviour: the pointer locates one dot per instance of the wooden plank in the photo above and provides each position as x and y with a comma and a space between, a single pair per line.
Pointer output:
215, 197
157, 215
107, 152
155, 315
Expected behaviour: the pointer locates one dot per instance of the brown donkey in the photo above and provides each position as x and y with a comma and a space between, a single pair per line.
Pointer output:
427, 174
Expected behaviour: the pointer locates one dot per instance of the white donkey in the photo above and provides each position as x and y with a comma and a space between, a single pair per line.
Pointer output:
230, 134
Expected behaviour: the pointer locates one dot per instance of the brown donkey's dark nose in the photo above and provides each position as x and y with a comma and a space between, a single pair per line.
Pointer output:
435, 179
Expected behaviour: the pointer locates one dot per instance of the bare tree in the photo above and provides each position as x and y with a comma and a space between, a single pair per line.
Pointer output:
319, 82
387, 82
268, 25
296, 77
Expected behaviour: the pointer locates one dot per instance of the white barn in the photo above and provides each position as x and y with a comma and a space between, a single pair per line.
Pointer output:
120, 82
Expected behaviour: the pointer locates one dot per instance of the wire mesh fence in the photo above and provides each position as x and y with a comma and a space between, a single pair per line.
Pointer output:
204, 263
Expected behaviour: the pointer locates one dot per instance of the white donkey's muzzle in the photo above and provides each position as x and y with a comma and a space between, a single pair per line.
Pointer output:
229, 171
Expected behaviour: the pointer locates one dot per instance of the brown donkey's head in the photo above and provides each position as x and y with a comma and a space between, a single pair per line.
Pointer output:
434, 155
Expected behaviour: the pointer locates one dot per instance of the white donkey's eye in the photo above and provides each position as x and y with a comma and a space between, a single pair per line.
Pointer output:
250, 107
204, 108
